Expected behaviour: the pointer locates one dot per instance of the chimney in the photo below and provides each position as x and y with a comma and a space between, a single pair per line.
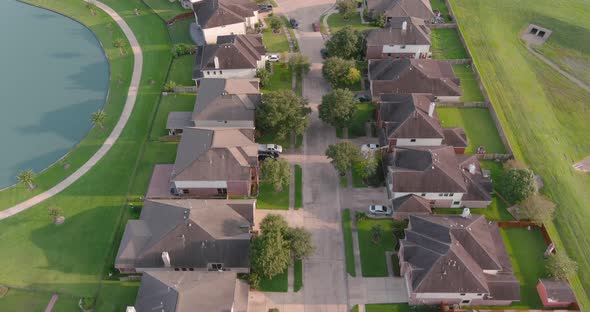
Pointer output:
431, 109
404, 25
216, 61
466, 213
472, 168
166, 259
130, 309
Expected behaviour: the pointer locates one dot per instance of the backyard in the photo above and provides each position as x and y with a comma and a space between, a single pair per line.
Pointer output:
181, 71
544, 115
165, 8
469, 84
173, 102
337, 22
446, 45
180, 31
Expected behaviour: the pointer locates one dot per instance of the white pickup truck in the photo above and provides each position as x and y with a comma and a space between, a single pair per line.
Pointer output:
273, 148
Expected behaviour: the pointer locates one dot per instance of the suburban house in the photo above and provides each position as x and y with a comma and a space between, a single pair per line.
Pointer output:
411, 120
222, 103
171, 291
438, 175
555, 293
400, 8
233, 56
403, 37
188, 234
456, 259
224, 17
407, 76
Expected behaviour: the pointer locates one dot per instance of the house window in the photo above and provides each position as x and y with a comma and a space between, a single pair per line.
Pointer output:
456, 203
441, 195
215, 266
412, 140
208, 73
452, 194
403, 46
221, 191
388, 54
176, 269
214, 73
184, 269
466, 301
221, 72
423, 194
462, 294
480, 295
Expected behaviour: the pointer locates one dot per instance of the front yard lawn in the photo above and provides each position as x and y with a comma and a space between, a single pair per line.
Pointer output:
180, 31
373, 260
268, 198
181, 71
357, 180
348, 245
298, 187
274, 42
280, 79
469, 85
298, 275
337, 22
173, 102
446, 44
363, 114
279, 283
478, 125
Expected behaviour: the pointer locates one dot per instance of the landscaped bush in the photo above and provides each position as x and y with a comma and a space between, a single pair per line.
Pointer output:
169, 86
360, 216
183, 49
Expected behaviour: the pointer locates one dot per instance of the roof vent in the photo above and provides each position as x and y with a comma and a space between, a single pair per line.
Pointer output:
466, 214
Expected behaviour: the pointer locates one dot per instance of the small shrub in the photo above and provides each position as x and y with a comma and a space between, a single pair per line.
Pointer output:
254, 280
360, 216
183, 49
87, 303
170, 86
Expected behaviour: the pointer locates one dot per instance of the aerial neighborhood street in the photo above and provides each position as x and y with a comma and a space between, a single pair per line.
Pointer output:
313, 155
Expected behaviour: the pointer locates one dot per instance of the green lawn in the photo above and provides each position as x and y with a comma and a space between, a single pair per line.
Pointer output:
336, 22
291, 33
116, 296
348, 245
363, 114
281, 79
343, 179
20, 300
65, 304
180, 31
279, 283
298, 187
545, 116
478, 125
373, 262
573, 61
446, 44
357, 180
72, 258
399, 307
120, 69
355, 308
268, 198
469, 85
442, 8
165, 8
181, 71
274, 42
173, 102
298, 275
322, 27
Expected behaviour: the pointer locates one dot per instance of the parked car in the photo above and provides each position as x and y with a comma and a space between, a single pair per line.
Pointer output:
273, 148
369, 146
362, 97
264, 8
264, 155
324, 53
379, 210
273, 58
293, 23
316, 26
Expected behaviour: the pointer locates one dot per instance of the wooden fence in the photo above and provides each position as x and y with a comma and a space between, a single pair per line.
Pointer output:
440, 26
499, 157
185, 89
458, 61
179, 17
526, 224
462, 104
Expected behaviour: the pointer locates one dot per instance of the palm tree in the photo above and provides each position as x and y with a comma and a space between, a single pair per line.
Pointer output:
27, 178
91, 6
119, 43
98, 118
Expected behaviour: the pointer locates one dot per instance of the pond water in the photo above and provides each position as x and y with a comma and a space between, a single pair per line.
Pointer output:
53, 75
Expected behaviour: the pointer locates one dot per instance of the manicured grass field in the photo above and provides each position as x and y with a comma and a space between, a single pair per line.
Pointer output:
573, 61
173, 102
363, 114
446, 44
71, 258
373, 261
165, 8
348, 245
268, 198
336, 22
298, 275
274, 42
357, 180
280, 79
442, 8
279, 283
545, 116
355, 308
20, 300
180, 31
116, 296
298, 187
478, 125
181, 71
469, 85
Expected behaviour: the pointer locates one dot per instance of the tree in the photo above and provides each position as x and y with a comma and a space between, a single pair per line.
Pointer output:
273, 222
270, 254
300, 242
560, 266
376, 233
120, 44
299, 64
517, 185
27, 178
275, 23
346, 8
98, 118
346, 43
343, 156
283, 113
54, 212
92, 7
264, 75
276, 172
338, 107
538, 208
170, 86
340, 72
379, 20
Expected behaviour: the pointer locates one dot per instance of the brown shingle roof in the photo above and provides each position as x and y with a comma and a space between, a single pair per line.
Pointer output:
455, 137
404, 76
215, 13
416, 33
232, 52
400, 8
411, 203
558, 290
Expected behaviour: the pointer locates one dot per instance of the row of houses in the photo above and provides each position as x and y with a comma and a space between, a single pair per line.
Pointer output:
191, 240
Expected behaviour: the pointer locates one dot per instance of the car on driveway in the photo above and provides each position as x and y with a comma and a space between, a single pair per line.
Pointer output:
264, 155
264, 8
293, 23
274, 148
369, 146
362, 97
316, 27
273, 58
379, 210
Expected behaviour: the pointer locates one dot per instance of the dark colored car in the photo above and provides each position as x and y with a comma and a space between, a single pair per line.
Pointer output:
264, 155
293, 23
264, 8
316, 26
324, 53
362, 97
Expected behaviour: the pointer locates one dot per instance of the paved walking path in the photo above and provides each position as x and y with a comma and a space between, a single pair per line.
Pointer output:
558, 69
51, 303
110, 141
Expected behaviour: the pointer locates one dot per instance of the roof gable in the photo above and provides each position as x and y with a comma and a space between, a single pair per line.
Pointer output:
416, 33
406, 116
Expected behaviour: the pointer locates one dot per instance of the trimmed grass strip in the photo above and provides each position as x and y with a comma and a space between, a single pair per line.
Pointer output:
298, 275
348, 245
279, 283
298, 187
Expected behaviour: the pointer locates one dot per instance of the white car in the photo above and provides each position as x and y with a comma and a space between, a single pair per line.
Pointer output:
273, 58
369, 146
274, 148
379, 210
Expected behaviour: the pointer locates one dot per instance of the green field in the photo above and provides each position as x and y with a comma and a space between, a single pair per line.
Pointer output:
469, 84
297, 275
348, 245
180, 31
477, 124
165, 8
373, 261
279, 283
298, 187
336, 22
545, 116
268, 198
181, 71
72, 258
274, 42
446, 45
173, 102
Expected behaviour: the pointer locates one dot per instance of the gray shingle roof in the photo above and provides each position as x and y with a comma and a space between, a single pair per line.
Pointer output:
232, 52
193, 232
400, 8
416, 33
179, 120
448, 254
172, 291
406, 116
